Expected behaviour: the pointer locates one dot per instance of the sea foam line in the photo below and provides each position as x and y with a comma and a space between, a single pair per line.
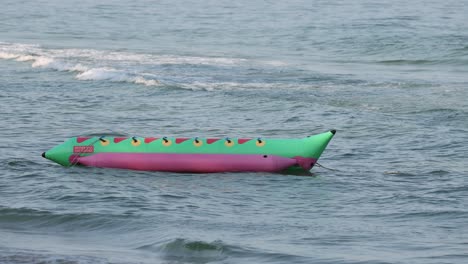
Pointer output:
79, 61
83, 72
120, 66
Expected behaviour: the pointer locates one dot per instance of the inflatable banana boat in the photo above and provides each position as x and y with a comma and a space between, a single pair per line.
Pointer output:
199, 155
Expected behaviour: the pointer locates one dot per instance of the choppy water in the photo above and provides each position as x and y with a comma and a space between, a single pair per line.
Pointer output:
390, 77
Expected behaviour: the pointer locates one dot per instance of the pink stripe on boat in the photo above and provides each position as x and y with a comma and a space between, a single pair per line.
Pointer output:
202, 163
243, 140
150, 139
211, 140
81, 139
180, 140
118, 139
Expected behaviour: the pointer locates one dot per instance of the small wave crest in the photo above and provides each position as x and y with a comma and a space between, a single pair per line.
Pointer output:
454, 60
17, 256
69, 61
19, 218
38, 61
406, 62
83, 72
183, 250
21, 165
8, 56
114, 75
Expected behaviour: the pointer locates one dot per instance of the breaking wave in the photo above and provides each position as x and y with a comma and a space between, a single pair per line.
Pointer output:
126, 67
114, 75
83, 72
170, 71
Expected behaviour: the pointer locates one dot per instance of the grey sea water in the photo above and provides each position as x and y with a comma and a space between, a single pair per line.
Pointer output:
390, 76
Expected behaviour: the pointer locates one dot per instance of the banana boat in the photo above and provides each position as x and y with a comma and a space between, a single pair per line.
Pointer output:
197, 155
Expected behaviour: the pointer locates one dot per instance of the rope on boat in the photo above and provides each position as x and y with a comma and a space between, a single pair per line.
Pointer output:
75, 160
321, 166
101, 138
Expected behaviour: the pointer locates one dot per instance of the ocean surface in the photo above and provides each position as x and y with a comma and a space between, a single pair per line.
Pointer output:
390, 76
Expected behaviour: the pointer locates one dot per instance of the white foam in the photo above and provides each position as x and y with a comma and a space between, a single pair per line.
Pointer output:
25, 58
149, 58
147, 82
77, 68
110, 74
101, 74
42, 62
51, 63
8, 56
97, 65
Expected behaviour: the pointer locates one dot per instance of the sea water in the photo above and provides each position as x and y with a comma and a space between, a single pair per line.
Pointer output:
390, 76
